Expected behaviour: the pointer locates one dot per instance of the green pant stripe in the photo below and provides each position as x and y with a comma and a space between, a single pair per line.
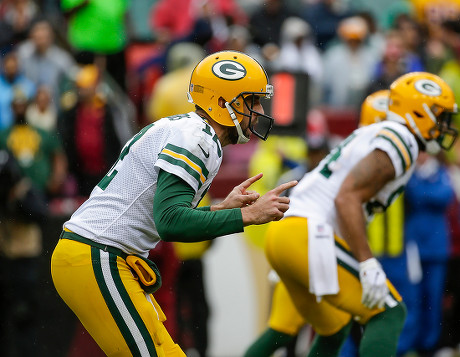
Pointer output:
130, 306
345, 263
348, 268
126, 333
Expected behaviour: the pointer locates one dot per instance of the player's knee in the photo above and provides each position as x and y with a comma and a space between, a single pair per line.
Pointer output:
398, 313
394, 317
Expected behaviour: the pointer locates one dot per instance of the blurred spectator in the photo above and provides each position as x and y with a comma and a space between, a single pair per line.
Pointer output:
348, 65
431, 13
165, 258
194, 20
428, 195
297, 51
87, 128
40, 159
450, 336
41, 112
375, 37
169, 96
105, 20
450, 71
274, 158
395, 9
12, 79
298, 54
42, 61
206, 25
411, 34
324, 17
239, 39
192, 309
19, 15
265, 26
395, 61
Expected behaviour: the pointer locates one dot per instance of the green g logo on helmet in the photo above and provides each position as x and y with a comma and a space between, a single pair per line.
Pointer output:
428, 87
229, 70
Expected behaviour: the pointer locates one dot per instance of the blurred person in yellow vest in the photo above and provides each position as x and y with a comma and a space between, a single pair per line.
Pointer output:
274, 157
169, 94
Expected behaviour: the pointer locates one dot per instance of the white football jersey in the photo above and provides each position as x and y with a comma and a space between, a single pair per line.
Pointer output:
119, 211
315, 194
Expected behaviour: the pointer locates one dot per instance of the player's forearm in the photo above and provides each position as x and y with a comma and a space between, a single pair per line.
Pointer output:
183, 224
353, 226
177, 221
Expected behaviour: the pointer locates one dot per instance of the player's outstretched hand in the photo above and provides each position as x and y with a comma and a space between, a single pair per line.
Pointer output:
240, 196
269, 207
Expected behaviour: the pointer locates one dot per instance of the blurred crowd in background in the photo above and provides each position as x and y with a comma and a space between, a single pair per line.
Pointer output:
79, 77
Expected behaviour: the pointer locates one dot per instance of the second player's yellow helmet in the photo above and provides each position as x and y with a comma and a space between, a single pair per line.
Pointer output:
233, 76
425, 103
374, 108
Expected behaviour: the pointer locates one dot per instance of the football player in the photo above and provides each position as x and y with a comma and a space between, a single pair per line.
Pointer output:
326, 264
284, 321
374, 108
99, 265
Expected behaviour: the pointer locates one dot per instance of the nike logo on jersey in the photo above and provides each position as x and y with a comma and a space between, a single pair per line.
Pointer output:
206, 154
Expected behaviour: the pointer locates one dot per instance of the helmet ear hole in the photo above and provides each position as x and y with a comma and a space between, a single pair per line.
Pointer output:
221, 101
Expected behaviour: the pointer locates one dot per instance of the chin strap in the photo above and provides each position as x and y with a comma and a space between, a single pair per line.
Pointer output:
241, 138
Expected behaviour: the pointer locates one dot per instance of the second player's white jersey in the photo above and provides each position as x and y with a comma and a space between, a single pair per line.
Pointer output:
315, 194
119, 211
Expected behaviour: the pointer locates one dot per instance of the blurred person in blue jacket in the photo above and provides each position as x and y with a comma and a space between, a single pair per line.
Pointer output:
428, 196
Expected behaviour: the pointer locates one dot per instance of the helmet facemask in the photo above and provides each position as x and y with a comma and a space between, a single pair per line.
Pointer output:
262, 125
441, 135
447, 134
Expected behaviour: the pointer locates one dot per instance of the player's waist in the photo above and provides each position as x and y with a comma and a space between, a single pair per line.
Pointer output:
67, 234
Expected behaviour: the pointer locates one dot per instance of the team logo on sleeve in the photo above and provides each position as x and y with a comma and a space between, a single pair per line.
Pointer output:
428, 87
229, 70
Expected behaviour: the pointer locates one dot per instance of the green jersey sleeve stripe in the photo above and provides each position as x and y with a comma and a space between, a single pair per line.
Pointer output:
190, 156
404, 143
183, 165
397, 150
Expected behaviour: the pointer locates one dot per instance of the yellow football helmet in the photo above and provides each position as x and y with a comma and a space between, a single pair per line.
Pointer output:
374, 108
234, 76
425, 103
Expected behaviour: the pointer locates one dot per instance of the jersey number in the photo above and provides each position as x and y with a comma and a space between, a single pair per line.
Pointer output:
334, 155
113, 171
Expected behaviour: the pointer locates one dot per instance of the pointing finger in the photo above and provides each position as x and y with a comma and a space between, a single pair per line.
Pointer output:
285, 186
251, 180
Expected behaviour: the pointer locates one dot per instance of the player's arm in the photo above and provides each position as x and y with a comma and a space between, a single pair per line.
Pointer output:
177, 221
364, 181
